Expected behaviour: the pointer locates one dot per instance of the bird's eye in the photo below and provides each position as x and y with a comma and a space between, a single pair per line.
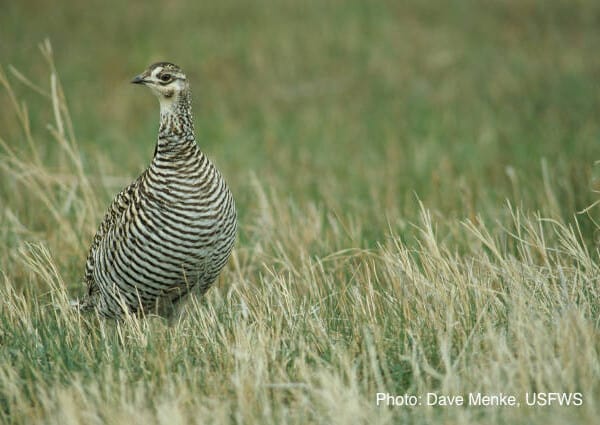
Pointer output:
165, 78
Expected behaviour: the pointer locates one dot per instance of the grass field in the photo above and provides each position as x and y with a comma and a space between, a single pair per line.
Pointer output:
416, 185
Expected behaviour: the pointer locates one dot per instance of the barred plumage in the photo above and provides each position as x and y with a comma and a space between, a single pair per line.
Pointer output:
173, 228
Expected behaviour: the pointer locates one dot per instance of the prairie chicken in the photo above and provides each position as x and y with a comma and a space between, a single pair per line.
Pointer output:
173, 228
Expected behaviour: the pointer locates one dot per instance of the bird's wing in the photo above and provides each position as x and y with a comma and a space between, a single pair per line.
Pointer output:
112, 219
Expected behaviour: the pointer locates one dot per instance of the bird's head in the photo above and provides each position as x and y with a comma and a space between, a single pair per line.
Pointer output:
167, 81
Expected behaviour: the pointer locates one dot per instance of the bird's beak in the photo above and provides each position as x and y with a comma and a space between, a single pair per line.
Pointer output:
139, 79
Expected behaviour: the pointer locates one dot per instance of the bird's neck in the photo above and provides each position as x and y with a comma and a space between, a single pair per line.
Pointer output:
176, 130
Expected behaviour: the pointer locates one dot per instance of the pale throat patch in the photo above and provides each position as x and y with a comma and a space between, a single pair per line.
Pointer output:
167, 96
166, 105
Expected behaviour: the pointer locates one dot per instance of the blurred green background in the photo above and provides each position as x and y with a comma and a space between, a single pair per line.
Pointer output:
357, 106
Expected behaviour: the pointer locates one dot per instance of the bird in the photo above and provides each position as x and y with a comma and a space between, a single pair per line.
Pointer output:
172, 230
